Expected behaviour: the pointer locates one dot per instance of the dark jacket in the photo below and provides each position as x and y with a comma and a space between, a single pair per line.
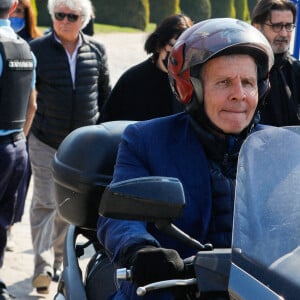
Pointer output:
15, 82
170, 147
282, 106
63, 107
143, 92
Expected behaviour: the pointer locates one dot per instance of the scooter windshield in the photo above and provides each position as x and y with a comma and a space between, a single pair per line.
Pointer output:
266, 232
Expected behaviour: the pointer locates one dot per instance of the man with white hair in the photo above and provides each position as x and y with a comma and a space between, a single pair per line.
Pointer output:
17, 108
72, 84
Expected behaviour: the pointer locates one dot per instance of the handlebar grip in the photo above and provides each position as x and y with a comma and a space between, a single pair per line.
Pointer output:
125, 274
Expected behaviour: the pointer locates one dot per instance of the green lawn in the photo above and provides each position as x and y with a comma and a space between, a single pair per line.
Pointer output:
102, 28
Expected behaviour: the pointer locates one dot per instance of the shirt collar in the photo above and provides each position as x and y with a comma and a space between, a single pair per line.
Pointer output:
79, 43
6, 29
4, 22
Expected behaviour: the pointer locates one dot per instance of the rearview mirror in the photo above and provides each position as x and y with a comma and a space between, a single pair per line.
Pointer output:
145, 199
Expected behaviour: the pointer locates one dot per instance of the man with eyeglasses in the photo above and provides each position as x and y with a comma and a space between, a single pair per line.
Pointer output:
72, 84
276, 20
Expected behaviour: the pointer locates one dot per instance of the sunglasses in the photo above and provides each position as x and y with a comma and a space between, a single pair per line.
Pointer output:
59, 16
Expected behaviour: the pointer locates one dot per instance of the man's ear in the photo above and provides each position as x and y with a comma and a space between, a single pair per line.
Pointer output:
14, 6
257, 26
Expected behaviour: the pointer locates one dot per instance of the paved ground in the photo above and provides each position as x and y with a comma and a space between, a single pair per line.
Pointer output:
124, 50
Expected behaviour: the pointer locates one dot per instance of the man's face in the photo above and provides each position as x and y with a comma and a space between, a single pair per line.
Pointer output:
67, 29
279, 41
230, 91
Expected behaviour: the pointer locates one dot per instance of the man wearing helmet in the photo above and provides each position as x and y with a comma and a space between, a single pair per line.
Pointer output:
218, 69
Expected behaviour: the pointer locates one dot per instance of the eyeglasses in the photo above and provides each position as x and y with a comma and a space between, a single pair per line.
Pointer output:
59, 16
277, 27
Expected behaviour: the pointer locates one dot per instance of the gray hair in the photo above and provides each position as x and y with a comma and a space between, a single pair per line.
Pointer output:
83, 7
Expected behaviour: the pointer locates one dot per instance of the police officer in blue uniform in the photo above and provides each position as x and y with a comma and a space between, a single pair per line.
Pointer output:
17, 108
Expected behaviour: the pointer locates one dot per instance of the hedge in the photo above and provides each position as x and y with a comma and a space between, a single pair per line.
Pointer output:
129, 13
162, 9
222, 9
197, 10
242, 10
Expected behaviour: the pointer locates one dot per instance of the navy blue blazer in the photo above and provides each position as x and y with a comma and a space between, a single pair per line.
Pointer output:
166, 146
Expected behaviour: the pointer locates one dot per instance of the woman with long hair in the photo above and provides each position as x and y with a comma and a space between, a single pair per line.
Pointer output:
24, 21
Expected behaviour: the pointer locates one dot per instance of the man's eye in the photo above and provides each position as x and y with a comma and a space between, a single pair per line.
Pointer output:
249, 83
224, 82
277, 27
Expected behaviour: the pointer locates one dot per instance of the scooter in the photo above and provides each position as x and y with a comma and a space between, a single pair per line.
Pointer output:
264, 260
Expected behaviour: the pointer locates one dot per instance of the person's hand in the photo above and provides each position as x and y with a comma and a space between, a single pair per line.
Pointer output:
152, 264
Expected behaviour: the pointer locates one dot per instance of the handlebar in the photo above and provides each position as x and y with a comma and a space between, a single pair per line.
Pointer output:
125, 274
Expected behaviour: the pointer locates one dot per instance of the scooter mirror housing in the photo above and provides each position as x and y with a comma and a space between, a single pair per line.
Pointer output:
148, 199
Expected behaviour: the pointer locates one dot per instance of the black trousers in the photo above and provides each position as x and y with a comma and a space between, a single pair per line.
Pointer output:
13, 164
